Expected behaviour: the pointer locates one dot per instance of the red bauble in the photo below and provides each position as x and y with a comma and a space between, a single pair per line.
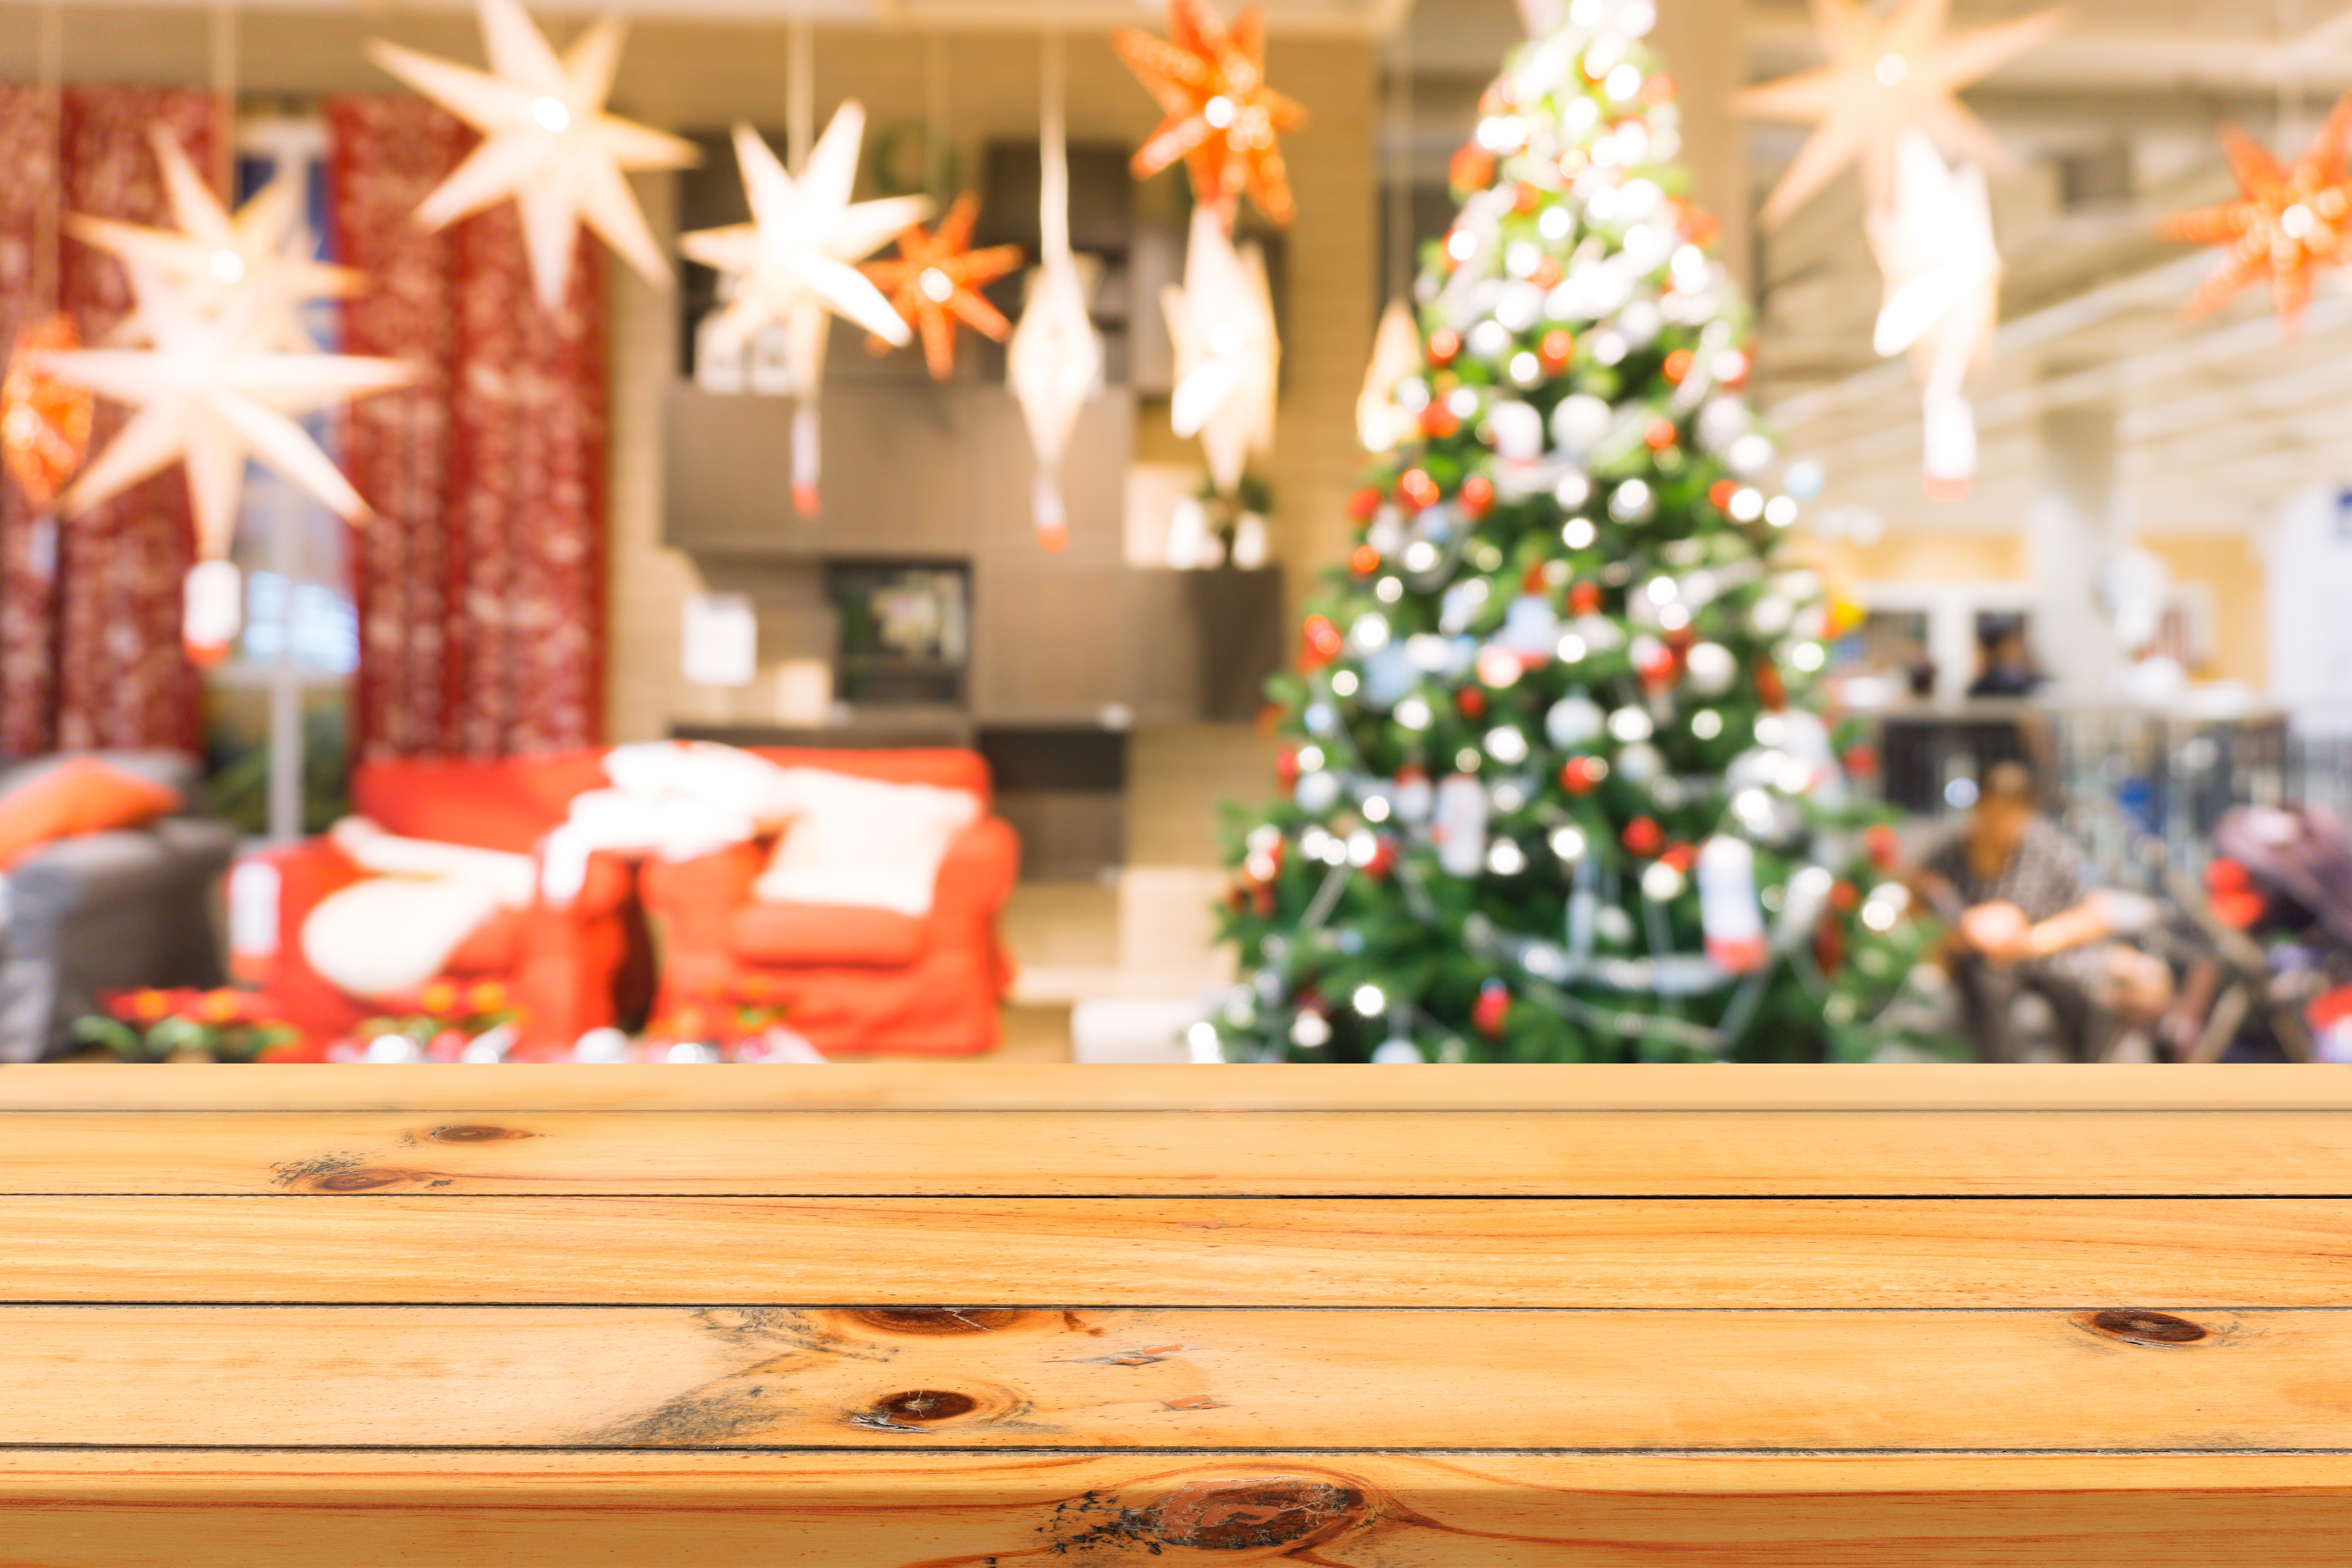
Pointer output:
1829, 946
1323, 642
1883, 844
1438, 422
1526, 198
1643, 837
1720, 493
1420, 491
1384, 859
1582, 775
1364, 560
1364, 503
1477, 495
1471, 701
1556, 345
1769, 687
1493, 1007
1844, 896
1660, 434
1531, 581
1657, 671
1546, 274
1285, 767
1472, 169
1444, 344
1861, 761
1679, 365
1584, 598
1681, 857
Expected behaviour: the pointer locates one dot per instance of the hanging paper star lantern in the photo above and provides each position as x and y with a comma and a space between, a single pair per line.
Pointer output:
1886, 75
790, 265
936, 281
212, 255
547, 143
1055, 363
1221, 116
1935, 246
44, 422
1227, 355
213, 391
2288, 225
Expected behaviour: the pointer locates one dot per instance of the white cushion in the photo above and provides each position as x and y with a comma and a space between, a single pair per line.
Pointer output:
863, 843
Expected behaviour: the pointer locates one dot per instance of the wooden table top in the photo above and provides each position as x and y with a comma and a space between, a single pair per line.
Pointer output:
970, 1317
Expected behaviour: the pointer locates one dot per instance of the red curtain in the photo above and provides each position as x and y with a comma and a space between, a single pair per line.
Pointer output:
480, 583
90, 609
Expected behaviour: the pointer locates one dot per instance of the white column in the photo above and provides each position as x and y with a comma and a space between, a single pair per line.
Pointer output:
1704, 45
2072, 527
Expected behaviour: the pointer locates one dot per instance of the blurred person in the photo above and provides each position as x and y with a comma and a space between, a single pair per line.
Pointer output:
2026, 917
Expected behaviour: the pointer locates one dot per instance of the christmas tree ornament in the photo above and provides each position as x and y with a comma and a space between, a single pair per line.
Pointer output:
1458, 824
1396, 1052
1572, 721
212, 391
790, 266
1886, 73
1729, 914
2286, 225
1711, 669
1228, 358
1222, 117
1492, 1010
1935, 245
547, 143
1055, 362
1383, 420
935, 280
44, 422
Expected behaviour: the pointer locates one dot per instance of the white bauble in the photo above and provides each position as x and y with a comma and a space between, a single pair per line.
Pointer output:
1398, 1053
1414, 798
1318, 792
1639, 764
1711, 669
1580, 422
1574, 721
1517, 431
1770, 615
1613, 925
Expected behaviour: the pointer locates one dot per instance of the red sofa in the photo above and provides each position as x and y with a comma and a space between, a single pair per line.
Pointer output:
566, 970
849, 980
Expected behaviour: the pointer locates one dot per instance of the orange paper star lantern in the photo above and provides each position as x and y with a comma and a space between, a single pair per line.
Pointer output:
43, 423
2288, 224
1222, 117
936, 280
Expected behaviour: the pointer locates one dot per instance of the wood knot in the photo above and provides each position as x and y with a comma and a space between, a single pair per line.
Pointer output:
1241, 1515
927, 1322
2147, 1328
917, 1407
470, 1132
362, 1179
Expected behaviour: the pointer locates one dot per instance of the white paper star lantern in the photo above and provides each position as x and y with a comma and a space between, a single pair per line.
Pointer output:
1380, 422
790, 265
1935, 245
213, 391
1227, 355
547, 143
1053, 363
212, 256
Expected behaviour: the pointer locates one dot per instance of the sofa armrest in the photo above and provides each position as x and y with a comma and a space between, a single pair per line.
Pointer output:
977, 874
105, 911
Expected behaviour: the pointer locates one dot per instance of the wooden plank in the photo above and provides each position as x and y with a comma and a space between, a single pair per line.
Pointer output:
165, 1510
2128, 1378
1234, 1252
934, 1086
1140, 1153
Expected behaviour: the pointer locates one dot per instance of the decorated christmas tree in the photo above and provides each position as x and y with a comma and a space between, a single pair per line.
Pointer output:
1559, 785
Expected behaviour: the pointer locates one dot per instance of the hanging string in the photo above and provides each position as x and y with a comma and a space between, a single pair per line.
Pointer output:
48, 237
800, 94
1054, 186
223, 42
936, 147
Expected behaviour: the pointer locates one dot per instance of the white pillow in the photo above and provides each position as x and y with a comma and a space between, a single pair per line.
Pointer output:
390, 934
723, 777
863, 843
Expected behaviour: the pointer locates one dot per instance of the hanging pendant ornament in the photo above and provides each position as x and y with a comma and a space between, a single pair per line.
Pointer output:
1227, 356
791, 265
1935, 245
2287, 224
1886, 75
216, 389
1055, 363
1382, 423
547, 143
936, 280
44, 422
1222, 118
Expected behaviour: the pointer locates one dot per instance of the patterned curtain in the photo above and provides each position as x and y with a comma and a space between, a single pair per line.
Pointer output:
89, 610
480, 583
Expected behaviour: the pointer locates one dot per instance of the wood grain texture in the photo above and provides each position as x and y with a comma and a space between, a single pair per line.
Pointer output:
165, 1510
1176, 1378
1136, 1154
952, 1086
1222, 1252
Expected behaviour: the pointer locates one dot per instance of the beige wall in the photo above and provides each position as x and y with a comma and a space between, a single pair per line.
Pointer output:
2230, 569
